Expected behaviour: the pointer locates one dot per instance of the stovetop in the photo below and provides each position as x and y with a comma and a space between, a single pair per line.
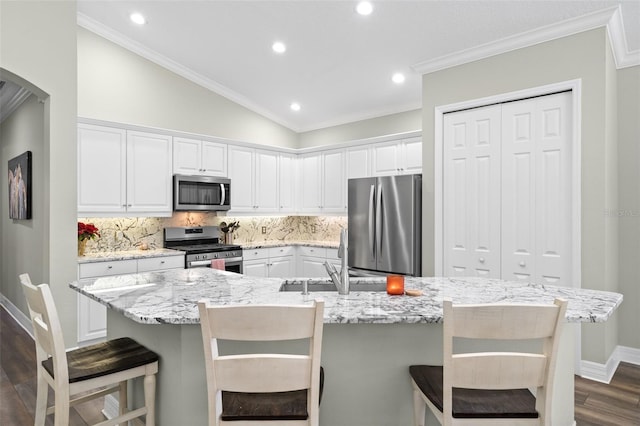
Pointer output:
204, 248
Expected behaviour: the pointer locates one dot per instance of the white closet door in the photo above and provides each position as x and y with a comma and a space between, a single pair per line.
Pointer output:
536, 214
472, 192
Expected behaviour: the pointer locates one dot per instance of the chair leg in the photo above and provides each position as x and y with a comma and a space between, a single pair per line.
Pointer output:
41, 399
419, 408
61, 414
123, 401
150, 398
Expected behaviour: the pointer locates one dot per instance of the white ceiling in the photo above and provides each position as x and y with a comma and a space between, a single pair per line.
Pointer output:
338, 64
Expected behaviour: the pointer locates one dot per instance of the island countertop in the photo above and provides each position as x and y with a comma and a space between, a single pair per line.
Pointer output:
170, 297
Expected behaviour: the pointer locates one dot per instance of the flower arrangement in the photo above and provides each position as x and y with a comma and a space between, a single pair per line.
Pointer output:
87, 231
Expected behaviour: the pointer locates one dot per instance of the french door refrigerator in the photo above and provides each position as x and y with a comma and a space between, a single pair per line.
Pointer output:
384, 222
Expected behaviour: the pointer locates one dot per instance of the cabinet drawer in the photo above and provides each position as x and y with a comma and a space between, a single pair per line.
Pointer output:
281, 251
250, 254
160, 263
313, 251
103, 269
332, 253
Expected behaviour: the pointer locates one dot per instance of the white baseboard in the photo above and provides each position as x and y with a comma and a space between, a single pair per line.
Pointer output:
23, 320
604, 372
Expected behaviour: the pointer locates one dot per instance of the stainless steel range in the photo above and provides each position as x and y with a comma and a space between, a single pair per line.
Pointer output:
201, 245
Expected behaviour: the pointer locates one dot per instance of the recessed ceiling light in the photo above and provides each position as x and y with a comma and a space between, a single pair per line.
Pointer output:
138, 18
279, 47
398, 78
295, 106
364, 8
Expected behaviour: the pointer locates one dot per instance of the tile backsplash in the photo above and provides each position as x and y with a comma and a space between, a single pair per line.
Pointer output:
129, 233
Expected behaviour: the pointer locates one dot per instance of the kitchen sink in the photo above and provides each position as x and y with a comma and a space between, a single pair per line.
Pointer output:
319, 284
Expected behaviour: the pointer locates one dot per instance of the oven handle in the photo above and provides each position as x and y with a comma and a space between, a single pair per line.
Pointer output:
207, 263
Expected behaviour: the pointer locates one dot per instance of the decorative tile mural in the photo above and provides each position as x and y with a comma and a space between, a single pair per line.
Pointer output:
130, 233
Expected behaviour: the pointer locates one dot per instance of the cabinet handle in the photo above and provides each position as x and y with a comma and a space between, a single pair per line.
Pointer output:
481, 260
162, 262
128, 205
522, 264
109, 267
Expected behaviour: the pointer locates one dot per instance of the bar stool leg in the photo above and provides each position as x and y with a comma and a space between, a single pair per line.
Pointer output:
419, 409
123, 400
41, 400
149, 398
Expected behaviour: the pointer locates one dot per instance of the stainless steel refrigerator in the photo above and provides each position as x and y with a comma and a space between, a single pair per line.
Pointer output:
385, 233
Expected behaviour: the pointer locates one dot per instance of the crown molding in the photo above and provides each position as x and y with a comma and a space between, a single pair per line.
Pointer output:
173, 66
610, 18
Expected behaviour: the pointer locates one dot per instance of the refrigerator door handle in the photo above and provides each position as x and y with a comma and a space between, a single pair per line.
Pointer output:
372, 218
379, 220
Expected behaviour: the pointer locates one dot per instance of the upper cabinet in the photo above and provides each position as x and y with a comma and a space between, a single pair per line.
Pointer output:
397, 157
322, 182
254, 180
122, 172
196, 157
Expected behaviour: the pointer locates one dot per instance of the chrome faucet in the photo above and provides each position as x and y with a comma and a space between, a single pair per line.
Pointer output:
341, 281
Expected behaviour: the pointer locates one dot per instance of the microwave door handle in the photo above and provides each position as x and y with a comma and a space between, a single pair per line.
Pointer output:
224, 194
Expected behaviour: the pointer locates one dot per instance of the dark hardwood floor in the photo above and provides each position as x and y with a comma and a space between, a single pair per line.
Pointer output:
596, 404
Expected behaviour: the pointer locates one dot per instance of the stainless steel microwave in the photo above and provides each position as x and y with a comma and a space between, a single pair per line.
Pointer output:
201, 193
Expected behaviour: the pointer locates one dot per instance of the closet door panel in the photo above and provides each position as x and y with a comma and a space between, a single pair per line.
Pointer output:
553, 191
472, 193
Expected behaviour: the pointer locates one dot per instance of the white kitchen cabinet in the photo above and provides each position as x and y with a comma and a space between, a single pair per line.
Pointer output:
92, 316
397, 157
254, 177
196, 157
322, 177
287, 183
102, 172
122, 172
269, 262
358, 161
149, 178
311, 262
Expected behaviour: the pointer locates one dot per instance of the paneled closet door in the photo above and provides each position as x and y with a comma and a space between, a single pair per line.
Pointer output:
472, 193
536, 192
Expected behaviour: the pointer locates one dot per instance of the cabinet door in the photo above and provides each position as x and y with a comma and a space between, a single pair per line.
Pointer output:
149, 175
92, 320
255, 268
286, 181
358, 161
313, 267
282, 267
214, 159
412, 156
310, 195
333, 182
241, 173
386, 159
160, 263
186, 156
266, 181
102, 156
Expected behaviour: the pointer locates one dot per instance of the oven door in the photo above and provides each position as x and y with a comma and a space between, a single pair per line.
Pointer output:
231, 264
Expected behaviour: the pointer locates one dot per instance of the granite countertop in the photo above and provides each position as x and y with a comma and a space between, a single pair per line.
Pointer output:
110, 256
278, 243
170, 297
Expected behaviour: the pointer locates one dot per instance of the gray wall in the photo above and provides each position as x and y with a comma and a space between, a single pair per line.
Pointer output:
628, 214
117, 85
21, 244
380, 126
38, 45
583, 56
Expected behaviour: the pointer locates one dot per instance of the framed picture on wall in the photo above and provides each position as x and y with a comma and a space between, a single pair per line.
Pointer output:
20, 186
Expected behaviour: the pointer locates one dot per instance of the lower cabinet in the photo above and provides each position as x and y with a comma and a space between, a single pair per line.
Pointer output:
311, 261
92, 316
275, 262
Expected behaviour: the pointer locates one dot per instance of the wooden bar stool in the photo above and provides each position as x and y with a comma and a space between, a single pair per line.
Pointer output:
102, 368
491, 388
251, 389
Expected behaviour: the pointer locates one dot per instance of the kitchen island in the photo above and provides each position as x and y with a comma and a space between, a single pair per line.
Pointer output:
369, 340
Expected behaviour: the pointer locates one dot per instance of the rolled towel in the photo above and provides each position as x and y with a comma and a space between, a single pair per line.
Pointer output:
218, 264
